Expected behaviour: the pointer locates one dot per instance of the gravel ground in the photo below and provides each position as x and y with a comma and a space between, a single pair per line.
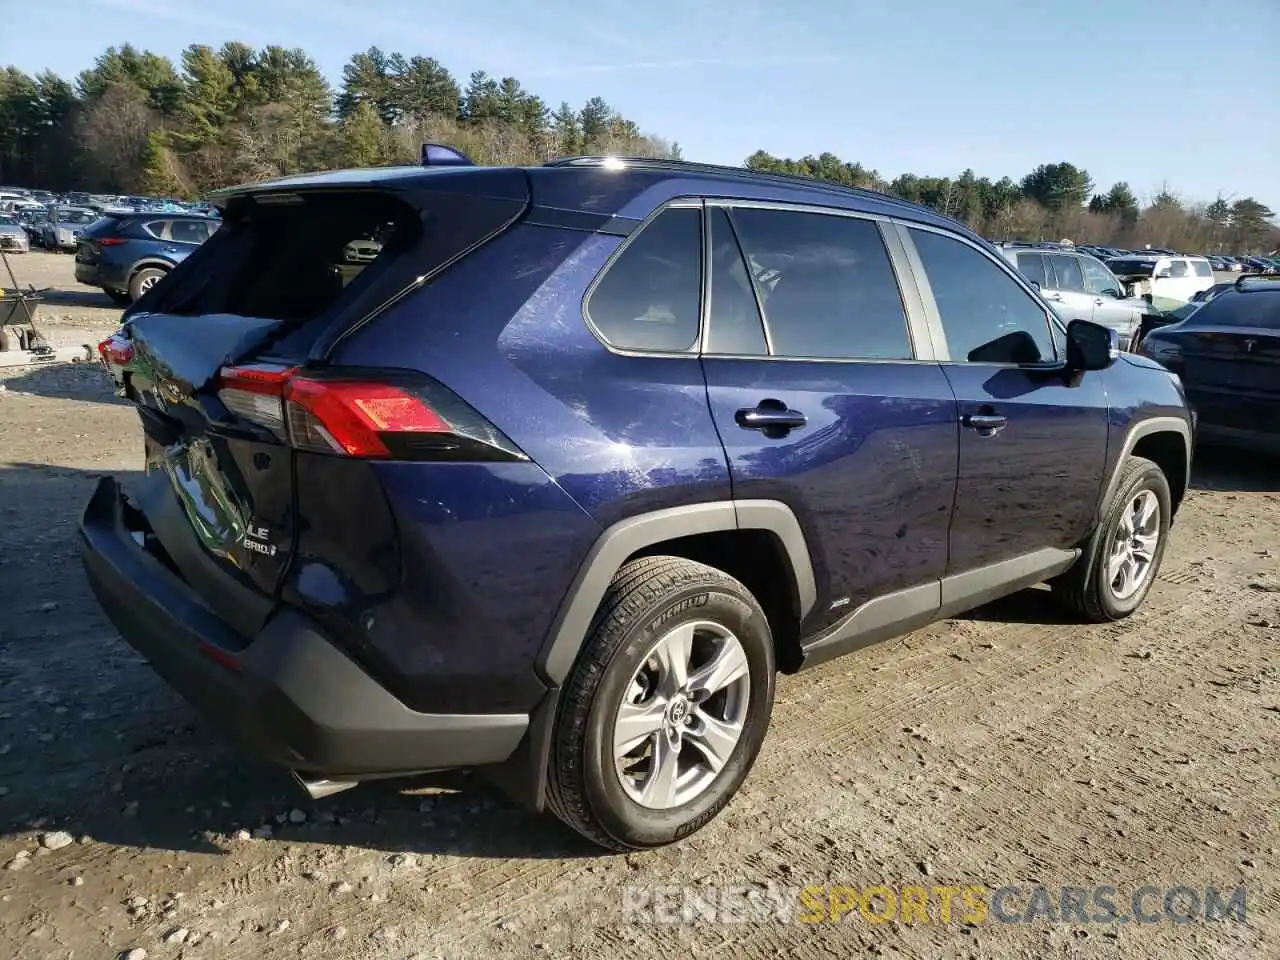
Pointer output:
1006, 747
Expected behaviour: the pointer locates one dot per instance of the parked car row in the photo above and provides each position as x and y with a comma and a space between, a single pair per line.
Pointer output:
123, 245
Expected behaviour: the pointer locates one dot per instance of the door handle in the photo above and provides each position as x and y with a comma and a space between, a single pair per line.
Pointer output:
987, 424
1098, 301
770, 415
1056, 297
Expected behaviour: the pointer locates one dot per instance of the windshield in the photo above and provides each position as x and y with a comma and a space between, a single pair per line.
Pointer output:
1132, 268
76, 216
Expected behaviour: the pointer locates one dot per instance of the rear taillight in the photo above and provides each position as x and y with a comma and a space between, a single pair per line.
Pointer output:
115, 349
395, 416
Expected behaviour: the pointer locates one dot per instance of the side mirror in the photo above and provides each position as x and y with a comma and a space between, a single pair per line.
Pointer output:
1162, 274
1035, 285
1091, 346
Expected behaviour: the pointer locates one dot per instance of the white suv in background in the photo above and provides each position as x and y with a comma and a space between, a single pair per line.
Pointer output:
1079, 287
1164, 277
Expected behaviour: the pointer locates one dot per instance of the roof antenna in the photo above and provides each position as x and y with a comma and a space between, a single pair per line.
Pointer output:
443, 155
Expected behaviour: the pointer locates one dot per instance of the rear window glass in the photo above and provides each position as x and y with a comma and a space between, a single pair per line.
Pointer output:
1253, 308
1202, 268
289, 261
650, 298
106, 225
1132, 268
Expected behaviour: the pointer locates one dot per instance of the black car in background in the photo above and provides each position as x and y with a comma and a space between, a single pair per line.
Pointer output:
1227, 353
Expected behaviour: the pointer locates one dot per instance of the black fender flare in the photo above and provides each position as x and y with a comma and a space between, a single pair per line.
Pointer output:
1137, 431
627, 537
524, 775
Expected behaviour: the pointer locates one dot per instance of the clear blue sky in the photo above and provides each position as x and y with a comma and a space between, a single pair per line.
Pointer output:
1149, 91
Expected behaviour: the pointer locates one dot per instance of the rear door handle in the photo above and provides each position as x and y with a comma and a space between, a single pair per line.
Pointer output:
770, 415
1056, 297
987, 424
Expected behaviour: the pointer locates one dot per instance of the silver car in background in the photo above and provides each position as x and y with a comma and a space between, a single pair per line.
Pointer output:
13, 235
1079, 287
65, 225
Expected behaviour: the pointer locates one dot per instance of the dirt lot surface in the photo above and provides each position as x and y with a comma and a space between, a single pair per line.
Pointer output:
1008, 747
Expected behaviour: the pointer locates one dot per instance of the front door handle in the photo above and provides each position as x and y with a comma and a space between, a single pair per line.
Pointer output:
771, 416
1055, 297
1098, 301
987, 424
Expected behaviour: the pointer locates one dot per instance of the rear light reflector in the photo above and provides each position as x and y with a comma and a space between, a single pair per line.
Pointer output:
115, 349
110, 241
397, 416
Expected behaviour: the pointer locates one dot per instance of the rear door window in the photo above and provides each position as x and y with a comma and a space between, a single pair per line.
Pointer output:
1031, 265
734, 326
188, 231
1067, 273
1177, 268
826, 284
1202, 268
650, 297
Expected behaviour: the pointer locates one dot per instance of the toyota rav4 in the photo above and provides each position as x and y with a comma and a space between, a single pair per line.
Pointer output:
560, 473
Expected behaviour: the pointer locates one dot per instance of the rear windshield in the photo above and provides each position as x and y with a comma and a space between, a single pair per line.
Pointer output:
108, 224
1253, 308
293, 261
1132, 268
334, 255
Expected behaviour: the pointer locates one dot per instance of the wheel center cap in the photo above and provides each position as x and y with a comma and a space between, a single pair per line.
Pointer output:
678, 710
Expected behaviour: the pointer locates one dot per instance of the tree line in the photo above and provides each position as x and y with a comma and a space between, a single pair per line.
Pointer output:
1059, 200
137, 123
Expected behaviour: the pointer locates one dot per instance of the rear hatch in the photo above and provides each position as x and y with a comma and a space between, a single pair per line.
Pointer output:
102, 233
228, 367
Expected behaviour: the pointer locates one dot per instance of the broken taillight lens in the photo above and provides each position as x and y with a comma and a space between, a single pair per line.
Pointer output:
116, 349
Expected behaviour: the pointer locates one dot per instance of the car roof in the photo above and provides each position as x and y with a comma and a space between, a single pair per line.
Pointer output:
629, 187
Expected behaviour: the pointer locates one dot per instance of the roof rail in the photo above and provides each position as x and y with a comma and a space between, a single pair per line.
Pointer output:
715, 169
443, 155
1034, 244
1245, 279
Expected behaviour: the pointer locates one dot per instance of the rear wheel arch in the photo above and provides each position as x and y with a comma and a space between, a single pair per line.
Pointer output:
759, 542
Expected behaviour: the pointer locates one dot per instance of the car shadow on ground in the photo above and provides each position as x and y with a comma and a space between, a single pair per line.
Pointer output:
87, 297
1235, 470
93, 742
85, 381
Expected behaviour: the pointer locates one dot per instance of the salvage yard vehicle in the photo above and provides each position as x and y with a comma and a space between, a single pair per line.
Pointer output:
1078, 285
558, 481
64, 226
1173, 279
126, 254
13, 236
1226, 351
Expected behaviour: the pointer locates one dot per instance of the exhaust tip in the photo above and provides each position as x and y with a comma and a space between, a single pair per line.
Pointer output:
319, 789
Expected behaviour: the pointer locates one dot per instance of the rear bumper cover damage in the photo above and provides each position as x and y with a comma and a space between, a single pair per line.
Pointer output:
289, 694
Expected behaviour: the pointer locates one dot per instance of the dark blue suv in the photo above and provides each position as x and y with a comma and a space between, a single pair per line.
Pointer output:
549, 470
127, 254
